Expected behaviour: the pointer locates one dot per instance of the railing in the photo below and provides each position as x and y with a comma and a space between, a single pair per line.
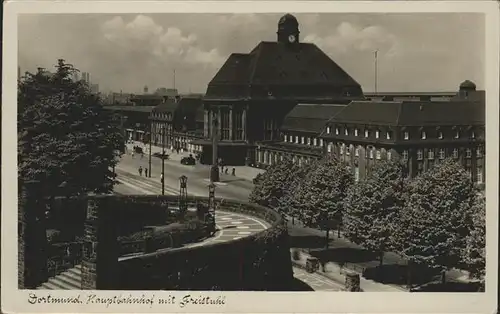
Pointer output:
63, 256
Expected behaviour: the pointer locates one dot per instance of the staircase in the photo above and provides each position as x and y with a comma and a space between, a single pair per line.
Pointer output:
68, 280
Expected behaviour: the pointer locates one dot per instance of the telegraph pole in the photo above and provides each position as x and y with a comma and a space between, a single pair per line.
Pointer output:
214, 171
163, 160
376, 69
150, 140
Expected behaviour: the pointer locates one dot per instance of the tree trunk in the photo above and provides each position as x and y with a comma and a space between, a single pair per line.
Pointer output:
293, 220
327, 237
338, 231
443, 276
381, 258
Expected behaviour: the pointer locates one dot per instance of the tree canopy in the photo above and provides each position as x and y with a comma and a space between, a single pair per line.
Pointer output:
372, 207
475, 243
319, 197
66, 140
434, 220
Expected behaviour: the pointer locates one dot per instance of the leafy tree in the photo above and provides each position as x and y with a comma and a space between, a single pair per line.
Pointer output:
319, 197
475, 243
66, 140
372, 207
273, 185
434, 221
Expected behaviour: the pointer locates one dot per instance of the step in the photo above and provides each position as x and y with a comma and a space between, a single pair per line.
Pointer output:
69, 280
74, 274
48, 286
61, 285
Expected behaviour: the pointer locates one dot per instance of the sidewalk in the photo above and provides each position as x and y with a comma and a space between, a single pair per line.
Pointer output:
335, 273
242, 172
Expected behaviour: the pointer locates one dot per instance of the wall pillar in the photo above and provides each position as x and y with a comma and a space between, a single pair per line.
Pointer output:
32, 238
101, 249
219, 115
244, 123
205, 124
231, 136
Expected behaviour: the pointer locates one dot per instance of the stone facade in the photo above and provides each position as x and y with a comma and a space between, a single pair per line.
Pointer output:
101, 249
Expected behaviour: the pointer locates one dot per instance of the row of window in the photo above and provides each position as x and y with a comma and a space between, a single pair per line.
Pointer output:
303, 140
389, 134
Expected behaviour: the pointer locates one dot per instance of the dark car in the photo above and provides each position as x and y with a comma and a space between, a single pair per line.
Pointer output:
161, 155
188, 161
138, 150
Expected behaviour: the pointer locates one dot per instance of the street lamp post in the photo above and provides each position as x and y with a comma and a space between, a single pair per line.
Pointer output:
183, 194
211, 203
163, 160
214, 170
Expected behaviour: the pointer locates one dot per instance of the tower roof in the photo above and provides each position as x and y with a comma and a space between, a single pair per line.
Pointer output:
467, 85
288, 19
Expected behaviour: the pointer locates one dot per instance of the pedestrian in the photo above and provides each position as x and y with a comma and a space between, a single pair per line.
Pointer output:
226, 171
146, 172
132, 154
140, 171
233, 172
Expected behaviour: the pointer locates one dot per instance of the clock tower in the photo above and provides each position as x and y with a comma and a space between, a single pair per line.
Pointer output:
288, 29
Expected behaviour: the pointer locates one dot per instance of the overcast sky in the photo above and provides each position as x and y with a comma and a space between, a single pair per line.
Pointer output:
417, 52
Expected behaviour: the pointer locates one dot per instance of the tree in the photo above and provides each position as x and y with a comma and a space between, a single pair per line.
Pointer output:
273, 185
66, 140
319, 198
434, 221
475, 243
372, 206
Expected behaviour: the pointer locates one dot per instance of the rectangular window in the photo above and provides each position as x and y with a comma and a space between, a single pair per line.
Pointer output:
389, 135
479, 175
430, 154
367, 133
355, 132
286, 139
315, 141
455, 153
479, 152
346, 132
457, 134
406, 135
238, 124
472, 135
371, 153
389, 155
378, 154
377, 134
405, 155
420, 154
356, 174
296, 139
468, 153
328, 130
356, 152
440, 135
329, 147
442, 154
302, 140
424, 136
308, 141
336, 131
321, 142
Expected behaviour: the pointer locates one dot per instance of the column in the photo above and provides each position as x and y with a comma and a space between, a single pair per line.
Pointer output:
101, 248
231, 136
205, 124
220, 122
244, 123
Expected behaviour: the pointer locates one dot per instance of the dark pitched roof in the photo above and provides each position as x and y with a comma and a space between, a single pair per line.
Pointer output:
188, 105
169, 105
285, 68
310, 117
412, 113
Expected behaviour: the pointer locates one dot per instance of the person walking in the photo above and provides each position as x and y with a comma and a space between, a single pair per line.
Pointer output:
146, 172
233, 172
140, 171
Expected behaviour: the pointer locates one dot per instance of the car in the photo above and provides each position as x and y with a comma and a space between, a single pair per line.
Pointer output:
161, 155
188, 161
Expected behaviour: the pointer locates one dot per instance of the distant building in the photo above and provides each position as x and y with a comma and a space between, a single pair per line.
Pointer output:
94, 88
253, 92
171, 92
420, 133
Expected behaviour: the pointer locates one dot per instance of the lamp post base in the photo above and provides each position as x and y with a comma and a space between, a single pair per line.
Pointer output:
214, 174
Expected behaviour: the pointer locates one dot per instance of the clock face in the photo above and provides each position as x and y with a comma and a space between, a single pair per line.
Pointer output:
291, 38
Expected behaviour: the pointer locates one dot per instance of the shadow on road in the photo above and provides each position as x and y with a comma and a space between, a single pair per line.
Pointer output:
299, 285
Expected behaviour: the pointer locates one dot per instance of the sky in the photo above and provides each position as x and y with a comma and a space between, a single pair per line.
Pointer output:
417, 52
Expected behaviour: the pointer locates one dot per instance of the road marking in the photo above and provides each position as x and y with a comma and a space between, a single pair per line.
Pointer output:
226, 218
236, 238
243, 227
244, 232
236, 222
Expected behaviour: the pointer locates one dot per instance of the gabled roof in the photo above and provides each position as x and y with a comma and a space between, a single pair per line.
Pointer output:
412, 113
287, 69
310, 117
169, 105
